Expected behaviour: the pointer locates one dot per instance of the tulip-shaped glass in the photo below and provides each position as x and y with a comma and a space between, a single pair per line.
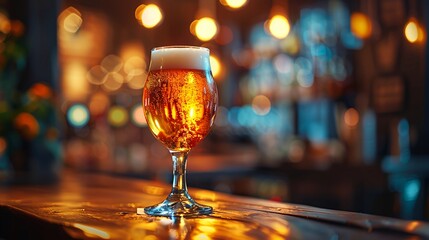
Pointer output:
179, 101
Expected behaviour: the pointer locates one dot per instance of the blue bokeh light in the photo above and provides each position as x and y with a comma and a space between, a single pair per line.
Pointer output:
78, 115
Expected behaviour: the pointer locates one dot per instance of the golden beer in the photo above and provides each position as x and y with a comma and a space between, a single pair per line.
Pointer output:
180, 106
179, 102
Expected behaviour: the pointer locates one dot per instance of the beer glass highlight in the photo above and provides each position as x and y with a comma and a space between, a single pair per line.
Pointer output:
179, 101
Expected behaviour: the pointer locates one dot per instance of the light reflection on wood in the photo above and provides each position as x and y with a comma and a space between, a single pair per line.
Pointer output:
90, 206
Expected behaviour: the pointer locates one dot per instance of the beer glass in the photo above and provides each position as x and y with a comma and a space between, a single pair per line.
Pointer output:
179, 101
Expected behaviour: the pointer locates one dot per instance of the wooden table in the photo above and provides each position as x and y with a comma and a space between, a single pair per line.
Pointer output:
100, 206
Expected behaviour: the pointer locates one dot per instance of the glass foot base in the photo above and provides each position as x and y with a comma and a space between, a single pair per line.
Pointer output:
178, 208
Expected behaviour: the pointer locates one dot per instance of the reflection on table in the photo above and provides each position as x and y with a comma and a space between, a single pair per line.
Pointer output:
99, 206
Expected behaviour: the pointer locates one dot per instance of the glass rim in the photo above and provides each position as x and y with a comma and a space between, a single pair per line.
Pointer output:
180, 47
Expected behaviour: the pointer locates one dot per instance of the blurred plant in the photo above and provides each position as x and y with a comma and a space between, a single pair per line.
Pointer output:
28, 131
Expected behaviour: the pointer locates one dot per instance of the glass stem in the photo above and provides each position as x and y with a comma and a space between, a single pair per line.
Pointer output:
178, 202
179, 172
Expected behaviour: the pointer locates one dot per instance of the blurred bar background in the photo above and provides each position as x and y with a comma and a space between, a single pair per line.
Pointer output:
322, 102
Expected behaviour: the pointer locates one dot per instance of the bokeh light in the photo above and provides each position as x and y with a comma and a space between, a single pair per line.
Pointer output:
150, 15
96, 75
206, 28
360, 25
136, 82
78, 115
17, 28
117, 116
132, 49
413, 31
137, 116
283, 64
5, 25
278, 26
41, 90
351, 117
70, 19
291, 44
27, 125
138, 12
422, 34
234, 4
72, 23
261, 105
75, 85
215, 66
98, 103
135, 68
113, 81
304, 72
112, 63
192, 27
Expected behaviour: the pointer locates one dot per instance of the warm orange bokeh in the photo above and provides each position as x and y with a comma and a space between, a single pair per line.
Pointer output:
26, 125
41, 90
361, 25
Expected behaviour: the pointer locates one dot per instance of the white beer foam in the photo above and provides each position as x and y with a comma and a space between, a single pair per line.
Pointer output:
180, 57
